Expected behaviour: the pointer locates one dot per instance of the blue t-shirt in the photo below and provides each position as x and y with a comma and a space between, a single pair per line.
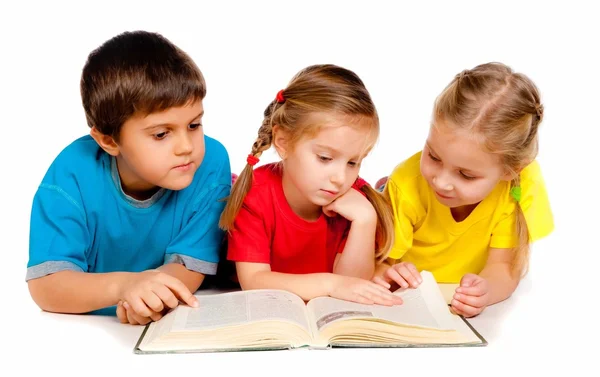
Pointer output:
82, 220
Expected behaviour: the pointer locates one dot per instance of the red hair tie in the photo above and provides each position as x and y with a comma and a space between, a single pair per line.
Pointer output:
252, 160
359, 183
280, 98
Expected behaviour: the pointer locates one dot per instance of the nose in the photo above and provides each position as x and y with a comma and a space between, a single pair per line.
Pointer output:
184, 145
339, 176
442, 182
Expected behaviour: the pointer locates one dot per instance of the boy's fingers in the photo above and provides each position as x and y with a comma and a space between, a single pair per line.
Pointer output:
166, 296
180, 290
152, 300
137, 305
156, 316
136, 319
121, 313
129, 315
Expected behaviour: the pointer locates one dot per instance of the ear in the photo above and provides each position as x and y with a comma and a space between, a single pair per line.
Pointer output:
510, 174
280, 141
105, 142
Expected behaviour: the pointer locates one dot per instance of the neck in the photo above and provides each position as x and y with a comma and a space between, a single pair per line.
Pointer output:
462, 212
132, 185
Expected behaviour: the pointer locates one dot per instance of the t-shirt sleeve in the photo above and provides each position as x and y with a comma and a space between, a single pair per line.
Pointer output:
249, 241
199, 242
58, 235
405, 216
536, 209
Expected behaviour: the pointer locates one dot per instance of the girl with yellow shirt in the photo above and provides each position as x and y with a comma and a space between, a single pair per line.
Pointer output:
468, 205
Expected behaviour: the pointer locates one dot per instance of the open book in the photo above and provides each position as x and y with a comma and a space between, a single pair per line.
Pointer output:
274, 319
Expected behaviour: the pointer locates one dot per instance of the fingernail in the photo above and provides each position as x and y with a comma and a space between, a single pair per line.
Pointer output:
457, 296
126, 305
195, 303
459, 290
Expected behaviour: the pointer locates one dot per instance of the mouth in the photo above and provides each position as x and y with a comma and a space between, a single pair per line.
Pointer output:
330, 193
442, 196
184, 167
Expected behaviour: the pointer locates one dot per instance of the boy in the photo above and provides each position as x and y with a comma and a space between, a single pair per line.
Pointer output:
128, 215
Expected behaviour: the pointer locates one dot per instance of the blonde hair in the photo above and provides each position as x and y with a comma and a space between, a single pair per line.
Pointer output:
504, 108
317, 88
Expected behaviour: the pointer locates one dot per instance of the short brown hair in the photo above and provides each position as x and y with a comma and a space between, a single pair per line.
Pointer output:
136, 73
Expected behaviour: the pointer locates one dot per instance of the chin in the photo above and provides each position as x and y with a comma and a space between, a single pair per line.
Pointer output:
176, 186
321, 202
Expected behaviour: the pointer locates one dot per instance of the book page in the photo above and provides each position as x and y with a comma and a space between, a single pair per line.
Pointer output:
420, 308
235, 308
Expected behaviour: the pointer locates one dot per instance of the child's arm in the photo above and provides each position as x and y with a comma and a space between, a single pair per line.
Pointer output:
358, 256
191, 279
357, 259
494, 283
309, 286
81, 292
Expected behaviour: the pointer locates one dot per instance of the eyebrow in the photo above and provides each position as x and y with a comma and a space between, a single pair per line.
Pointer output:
459, 168
169, 124
331, 149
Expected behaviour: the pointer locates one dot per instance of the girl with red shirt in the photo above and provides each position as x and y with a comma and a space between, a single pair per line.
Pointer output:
308, 224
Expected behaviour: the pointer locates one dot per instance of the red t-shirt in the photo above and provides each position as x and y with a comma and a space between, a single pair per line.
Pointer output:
267, 230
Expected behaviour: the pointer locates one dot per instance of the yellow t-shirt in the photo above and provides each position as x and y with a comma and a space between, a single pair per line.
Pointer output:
427, 235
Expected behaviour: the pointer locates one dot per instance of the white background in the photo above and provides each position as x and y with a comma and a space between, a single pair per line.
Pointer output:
247, 52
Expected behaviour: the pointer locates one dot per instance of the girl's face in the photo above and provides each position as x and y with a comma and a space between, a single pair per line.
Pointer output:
456, 167
317, 169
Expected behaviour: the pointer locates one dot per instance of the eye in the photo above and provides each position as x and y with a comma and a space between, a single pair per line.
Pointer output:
434, 158
160, 135
324, 158
467, 177
195, 126
352, 164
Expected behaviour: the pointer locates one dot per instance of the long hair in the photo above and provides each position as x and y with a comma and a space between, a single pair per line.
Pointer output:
503, 107
317, 88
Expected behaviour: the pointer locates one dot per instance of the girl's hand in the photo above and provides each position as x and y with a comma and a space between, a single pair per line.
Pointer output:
471, 297
362, 291
404, 274
352, 205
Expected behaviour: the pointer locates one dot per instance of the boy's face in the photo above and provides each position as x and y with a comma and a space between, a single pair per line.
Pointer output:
161, 149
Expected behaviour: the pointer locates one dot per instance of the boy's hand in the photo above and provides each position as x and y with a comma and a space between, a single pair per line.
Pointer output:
352, 205
150, 292
404, 274
362, 291
126, 314
471, 297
